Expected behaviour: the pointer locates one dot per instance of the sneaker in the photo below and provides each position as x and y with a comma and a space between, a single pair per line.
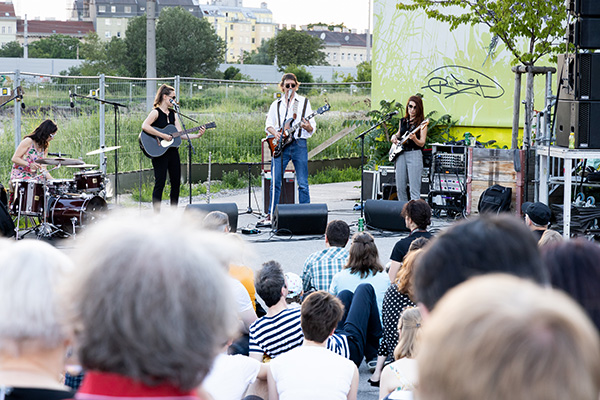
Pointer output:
266, 222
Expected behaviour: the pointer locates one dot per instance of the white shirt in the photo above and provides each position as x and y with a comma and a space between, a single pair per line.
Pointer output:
240, 295
311, 372
230, 376
272, 120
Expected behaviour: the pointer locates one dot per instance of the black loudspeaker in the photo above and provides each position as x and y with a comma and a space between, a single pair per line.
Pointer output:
287, 194
583, 33
300, 219
231, 209
584, 7
579, 74
385, 214
581, 118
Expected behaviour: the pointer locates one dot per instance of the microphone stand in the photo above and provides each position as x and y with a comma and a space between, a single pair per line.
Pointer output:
190, 145
116, 113
362, 158
280, 145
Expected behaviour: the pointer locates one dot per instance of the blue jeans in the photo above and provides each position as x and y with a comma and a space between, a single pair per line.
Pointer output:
360, 323
298, 153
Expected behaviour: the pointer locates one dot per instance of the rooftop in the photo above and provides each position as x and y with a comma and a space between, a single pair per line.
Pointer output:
72, 28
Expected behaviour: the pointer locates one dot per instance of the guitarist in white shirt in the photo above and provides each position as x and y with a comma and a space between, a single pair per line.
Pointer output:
409, 164
161, 116
290, 106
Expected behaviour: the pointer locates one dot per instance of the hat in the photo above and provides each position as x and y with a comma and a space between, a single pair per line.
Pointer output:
294, 284
538, 213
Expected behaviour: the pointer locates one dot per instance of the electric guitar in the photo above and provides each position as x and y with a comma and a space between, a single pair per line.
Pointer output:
398, 148
152, 146
288, 130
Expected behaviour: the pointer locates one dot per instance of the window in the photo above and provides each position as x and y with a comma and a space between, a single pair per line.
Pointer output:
361, 57
127, 9
253, 28
231, 26
253, 41
113, 9
231, 39
107, 22
107, 34
118, 22
343, 56
354, 56
118, 34
334, 56
3, 29
102, 9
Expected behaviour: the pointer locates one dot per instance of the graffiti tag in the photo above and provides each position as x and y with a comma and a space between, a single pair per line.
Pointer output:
453, 80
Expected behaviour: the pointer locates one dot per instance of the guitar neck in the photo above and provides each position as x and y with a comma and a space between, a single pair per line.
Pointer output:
295, 127
185, 132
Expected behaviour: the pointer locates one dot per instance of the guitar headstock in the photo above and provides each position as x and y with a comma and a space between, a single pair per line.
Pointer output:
210, 125
324, 108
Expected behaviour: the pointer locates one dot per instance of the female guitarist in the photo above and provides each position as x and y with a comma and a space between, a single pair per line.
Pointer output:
161, 116
409, 164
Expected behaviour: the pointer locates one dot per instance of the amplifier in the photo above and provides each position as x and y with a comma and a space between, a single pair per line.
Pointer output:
449, 162
448, 183
288, 189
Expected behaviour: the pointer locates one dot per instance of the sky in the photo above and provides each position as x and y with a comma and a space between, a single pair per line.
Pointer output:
353, 13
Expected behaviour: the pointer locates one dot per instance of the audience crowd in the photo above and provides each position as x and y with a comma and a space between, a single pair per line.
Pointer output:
492, 307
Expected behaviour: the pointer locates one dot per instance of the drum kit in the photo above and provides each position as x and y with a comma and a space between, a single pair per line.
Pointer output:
60, 206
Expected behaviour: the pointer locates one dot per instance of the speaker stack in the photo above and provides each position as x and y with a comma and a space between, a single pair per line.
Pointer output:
578, 108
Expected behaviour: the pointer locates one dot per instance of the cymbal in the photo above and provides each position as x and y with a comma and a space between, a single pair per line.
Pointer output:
82, 166
102, 150
59, 161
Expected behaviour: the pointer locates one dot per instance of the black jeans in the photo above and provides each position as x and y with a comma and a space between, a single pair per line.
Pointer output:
167, 162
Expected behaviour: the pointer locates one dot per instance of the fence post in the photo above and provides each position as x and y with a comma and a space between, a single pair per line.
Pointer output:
101, 116
17, 111
177, 82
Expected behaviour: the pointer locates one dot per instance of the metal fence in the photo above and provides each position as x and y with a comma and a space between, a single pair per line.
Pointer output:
237, 107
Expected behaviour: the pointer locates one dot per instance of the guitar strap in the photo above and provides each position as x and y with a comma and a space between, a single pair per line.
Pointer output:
303, 113
278, 116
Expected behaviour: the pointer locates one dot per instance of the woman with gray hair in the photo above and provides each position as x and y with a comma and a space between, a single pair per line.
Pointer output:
150, 311
33, 339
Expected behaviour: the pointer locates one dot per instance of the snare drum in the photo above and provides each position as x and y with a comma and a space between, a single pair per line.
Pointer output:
64, 212
28, 197
58, 187
89, 181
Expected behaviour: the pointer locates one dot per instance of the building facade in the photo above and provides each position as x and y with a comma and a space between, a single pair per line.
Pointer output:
8, 23
344, 48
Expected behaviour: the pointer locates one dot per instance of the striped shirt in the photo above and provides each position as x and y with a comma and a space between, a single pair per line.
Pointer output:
275, 335
320, 267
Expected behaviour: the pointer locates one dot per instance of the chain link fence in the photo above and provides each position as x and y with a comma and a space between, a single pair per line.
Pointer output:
238, 108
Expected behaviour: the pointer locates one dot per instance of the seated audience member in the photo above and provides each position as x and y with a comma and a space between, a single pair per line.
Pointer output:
280, 330
574, 267
500, 337
417, 217
363, 267
231, 376
33, 338
321, 266
311, 371
537, 217
295, 292
550, 238
149, 320
398, 297
401, 375
488, 243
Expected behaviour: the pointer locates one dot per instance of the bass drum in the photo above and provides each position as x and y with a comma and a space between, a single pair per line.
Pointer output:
68, 212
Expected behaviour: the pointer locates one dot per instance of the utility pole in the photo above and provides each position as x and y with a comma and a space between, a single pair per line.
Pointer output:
369, 32
150, 53
25, 46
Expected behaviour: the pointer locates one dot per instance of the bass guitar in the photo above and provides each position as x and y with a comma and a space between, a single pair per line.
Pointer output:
288, 131
152, 146
398, 148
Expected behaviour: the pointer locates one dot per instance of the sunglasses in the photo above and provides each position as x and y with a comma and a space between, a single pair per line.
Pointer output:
410, 107
290, 86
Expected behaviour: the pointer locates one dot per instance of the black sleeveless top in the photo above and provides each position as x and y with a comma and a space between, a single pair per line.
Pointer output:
405, 126
164, 119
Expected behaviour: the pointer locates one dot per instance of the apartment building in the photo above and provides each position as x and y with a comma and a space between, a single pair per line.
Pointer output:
344, 48
8, 23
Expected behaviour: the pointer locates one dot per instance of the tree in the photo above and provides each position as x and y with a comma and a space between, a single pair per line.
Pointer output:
232, 74
301, 73
54, 46
297, 48
540, 23
11, 49
135, 42
363, 72
101, 57
186, 45
260, 55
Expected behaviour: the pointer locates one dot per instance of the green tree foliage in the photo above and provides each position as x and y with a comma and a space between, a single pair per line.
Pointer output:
363, 72
541, 23
54, 46
232, 74
186, 45
135, 42
11, 49
301, 73
101, 57
297, 48
260, 55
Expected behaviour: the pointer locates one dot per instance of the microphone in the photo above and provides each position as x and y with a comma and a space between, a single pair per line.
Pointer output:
174, 103
392, 113
72, 103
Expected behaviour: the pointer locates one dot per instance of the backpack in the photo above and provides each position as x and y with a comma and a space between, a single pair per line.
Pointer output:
495, 199
7, 227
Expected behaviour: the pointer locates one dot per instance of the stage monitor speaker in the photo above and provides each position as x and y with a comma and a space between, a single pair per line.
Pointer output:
583, 33
385, 214
370, 185
584, 7
581, 118
300, 219
579, 74
231, 209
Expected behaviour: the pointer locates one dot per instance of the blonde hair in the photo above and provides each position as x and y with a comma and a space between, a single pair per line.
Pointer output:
162, 90
404, 276
410, 324
499, 337
549, 238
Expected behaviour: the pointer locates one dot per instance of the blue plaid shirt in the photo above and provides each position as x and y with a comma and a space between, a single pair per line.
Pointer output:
320, 267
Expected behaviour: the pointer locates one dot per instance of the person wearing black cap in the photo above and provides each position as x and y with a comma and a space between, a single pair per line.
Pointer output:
537, 217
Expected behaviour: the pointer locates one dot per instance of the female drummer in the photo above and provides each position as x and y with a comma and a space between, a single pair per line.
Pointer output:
161, 116
32, 148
